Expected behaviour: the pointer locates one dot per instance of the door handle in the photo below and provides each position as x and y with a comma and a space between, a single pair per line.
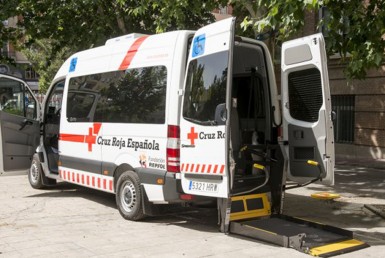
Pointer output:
24, 123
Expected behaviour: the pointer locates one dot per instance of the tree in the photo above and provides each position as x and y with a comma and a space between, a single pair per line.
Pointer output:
6, 33
354, 29
65, 27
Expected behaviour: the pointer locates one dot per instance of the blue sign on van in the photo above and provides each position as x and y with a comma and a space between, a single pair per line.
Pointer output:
199, 45
73, 64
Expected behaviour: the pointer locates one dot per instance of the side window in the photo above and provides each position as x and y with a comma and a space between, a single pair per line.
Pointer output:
30, 105
79, 105
305, 95
133, 96
137, 96
54, 101
205, 88
12, 96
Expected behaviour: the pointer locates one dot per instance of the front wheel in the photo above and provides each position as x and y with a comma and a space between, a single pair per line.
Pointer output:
36, 176
129, 196
35, 173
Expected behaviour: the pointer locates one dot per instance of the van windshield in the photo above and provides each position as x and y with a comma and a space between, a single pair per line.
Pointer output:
205, 88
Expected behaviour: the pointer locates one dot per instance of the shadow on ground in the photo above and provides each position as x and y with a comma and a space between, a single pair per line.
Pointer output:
65, 190
357, 181
351, 216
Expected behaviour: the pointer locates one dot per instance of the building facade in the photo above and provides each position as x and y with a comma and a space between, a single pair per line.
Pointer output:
359, 126
23, 68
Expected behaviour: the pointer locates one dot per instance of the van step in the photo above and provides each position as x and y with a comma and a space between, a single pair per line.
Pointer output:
249, 206
308, 237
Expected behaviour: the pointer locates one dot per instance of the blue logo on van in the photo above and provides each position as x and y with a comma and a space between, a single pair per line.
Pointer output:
73, 63
199, 45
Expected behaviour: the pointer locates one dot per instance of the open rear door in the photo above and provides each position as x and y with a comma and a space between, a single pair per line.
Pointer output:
19, 124
203, 119
306, 105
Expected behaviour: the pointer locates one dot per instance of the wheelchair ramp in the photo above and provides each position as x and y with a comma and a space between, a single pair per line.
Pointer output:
251, 216
305, 236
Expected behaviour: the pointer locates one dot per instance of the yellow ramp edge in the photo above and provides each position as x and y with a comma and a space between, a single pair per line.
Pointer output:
337, 248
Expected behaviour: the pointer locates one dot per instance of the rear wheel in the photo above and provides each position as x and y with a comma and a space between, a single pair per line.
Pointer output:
129, 196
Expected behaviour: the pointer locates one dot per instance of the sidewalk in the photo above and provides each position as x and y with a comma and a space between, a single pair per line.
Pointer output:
360, 188
367, 163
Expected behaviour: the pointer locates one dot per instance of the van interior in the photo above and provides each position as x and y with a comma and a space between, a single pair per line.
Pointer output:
252, 129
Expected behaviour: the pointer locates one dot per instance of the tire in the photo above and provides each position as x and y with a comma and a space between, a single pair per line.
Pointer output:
35, 173
129, 196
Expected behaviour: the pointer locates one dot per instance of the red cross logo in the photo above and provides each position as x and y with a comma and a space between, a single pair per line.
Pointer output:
91, 137
192, 136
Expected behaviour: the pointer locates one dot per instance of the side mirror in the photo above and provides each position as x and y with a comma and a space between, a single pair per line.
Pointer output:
221, 114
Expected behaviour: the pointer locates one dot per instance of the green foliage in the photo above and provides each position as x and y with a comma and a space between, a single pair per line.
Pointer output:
46, 60
54, 29
354, 29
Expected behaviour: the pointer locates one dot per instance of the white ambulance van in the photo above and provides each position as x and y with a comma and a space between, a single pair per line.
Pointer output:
179, 117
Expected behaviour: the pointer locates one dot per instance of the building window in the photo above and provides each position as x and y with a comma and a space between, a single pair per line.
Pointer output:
223, 10
343, 106
31, 74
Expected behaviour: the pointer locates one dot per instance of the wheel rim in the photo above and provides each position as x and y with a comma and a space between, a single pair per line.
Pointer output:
128, 196
34, 172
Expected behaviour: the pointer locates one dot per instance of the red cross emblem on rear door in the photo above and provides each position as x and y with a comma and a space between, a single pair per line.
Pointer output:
192, 135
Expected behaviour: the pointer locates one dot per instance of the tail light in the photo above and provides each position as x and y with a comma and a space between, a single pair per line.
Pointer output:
173, 149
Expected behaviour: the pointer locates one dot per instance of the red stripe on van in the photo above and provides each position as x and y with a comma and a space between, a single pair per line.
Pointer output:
131, 53
111, 185
71, 137
209, 169
215, 169
222, 169
197, 170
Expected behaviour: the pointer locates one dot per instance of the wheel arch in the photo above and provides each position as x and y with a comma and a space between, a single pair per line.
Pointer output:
119, 171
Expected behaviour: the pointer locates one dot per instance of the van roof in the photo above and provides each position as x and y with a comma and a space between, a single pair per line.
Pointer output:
146, 49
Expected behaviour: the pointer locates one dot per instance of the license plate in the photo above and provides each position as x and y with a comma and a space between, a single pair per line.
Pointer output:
203, 187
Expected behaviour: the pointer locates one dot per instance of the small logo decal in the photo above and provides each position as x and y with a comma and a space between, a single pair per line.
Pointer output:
199, 45
143, 160
74, 61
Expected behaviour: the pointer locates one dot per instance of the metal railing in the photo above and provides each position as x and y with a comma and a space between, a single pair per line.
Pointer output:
344, 124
